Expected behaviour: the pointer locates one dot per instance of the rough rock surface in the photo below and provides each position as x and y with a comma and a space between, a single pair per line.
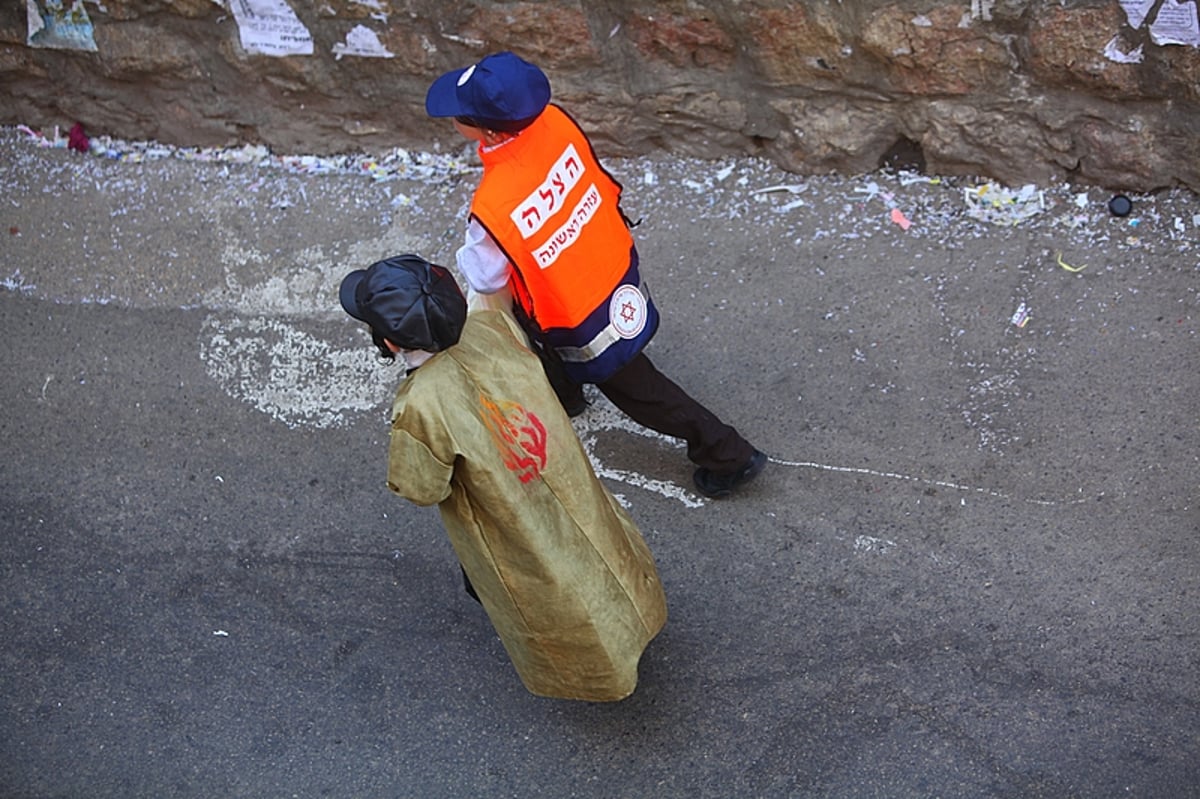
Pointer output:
1014, 90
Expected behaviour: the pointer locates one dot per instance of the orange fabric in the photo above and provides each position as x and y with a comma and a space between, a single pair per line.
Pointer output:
555, 212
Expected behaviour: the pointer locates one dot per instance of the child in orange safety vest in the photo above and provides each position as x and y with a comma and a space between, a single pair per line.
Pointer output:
546, 224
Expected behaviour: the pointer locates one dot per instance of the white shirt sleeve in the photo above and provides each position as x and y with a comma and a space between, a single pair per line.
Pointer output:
481, 261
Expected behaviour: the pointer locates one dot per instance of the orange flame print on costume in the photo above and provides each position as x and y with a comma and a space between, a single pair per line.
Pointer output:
519, 435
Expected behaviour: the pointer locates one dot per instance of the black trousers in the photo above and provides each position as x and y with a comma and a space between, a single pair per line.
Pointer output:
653, 400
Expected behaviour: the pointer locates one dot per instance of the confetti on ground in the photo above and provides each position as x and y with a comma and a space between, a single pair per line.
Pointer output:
1002, 206
395, 163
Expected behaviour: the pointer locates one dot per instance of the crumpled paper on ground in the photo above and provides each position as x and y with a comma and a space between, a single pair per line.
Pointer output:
1002, 206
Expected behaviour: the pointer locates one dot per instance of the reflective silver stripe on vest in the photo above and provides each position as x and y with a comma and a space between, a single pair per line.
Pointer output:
602, 340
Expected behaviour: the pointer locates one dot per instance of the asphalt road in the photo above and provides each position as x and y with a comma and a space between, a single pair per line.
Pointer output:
970, 570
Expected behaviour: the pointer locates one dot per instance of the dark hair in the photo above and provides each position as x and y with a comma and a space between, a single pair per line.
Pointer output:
385, 352
502, 125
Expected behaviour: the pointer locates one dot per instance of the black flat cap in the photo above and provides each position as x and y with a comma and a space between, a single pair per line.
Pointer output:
412, 303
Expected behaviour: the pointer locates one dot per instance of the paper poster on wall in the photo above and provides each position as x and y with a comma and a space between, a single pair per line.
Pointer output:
1136, 11
982, 9
1176, 23
1168, 22
270, 27
362, 42
59, 25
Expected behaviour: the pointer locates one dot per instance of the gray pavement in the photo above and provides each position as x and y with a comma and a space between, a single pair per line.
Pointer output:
971, 569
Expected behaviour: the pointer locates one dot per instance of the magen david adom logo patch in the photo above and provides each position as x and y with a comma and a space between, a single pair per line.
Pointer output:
627, 311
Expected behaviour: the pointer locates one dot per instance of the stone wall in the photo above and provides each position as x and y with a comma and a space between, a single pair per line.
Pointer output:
1013, 90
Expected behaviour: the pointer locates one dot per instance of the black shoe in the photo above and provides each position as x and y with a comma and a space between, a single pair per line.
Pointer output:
574, 406
722, 485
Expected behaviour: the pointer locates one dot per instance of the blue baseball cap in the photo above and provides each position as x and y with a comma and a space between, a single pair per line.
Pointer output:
502, 92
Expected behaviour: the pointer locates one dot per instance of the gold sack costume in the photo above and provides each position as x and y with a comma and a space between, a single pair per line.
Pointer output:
558, 564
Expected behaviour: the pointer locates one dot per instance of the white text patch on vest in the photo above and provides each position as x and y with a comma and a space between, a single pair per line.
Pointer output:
568, 234
546, 199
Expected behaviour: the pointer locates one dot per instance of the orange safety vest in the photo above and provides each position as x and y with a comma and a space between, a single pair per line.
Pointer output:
554, 211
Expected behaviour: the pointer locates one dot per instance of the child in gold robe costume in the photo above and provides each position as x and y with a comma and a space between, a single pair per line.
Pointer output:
560, 567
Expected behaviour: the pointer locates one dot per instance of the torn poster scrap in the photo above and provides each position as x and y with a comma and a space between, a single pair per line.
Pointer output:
363, 42
270, 27
1113, 52
982, 9
59, 25
1176, 23
1136, 11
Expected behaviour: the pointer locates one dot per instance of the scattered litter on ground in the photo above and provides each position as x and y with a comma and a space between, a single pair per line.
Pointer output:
801, 211
1003, 206
77, 139
909, 178
1068, 267
792, 188
395, 163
